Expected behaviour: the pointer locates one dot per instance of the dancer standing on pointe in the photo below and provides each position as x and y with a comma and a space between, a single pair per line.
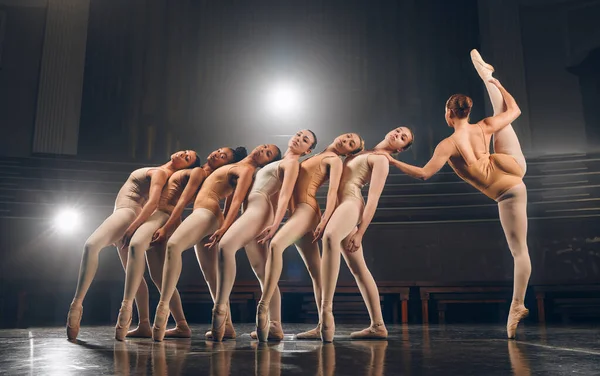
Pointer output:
176, 195
499, 175
342, 236
231, 182
136, 201
305, 226
265, 209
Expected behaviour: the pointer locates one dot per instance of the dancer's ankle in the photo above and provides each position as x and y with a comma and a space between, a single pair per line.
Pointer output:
77, 302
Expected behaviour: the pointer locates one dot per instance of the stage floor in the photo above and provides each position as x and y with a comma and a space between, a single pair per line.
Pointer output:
409, 350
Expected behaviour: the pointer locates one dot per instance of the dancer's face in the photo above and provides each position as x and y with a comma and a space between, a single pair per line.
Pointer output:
399, 138
183, 159
301, 142
220, 157
264, 154
346, 143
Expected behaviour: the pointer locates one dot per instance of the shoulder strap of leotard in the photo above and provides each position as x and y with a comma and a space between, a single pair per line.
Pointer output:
487, 146
451, 138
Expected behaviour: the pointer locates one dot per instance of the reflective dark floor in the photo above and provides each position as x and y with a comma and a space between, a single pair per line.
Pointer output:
410, 350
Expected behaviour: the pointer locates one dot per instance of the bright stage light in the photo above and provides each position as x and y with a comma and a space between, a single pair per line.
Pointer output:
67, 221
283, 99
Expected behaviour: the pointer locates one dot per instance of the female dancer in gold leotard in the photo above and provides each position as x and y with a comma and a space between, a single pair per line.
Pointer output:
498, 175
305, 226
267, 204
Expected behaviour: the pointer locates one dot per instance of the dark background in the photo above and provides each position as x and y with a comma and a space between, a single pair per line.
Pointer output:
161, 75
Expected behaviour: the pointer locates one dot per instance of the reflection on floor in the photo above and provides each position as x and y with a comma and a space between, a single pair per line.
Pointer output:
409, 350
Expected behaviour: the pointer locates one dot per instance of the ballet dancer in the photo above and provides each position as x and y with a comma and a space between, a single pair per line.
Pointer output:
231, 182
498, 175
305, 225
179, 191
266, 207
136, 201
349, 222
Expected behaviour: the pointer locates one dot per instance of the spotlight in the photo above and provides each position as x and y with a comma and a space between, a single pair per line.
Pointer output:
67, 221
283, 99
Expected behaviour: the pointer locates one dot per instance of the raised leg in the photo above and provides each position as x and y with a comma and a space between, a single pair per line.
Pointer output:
512, 207
109, 232
505, 140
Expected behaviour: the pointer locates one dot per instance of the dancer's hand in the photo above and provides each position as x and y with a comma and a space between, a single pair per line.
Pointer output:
318, 233
159, 236
354, 242
267, 234
127, 237
215, 238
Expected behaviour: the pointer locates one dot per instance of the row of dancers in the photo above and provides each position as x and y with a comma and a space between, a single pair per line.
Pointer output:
146, 222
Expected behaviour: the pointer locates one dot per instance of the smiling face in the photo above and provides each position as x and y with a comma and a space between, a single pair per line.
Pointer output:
301, 143
265, 154
347, 143
399, 138
220, 157
183, 159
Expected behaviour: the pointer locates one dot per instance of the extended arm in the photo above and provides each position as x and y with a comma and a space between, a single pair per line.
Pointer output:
442, 153
197, 177
380, 169
244, 182
335, 174
290, 174
158, 178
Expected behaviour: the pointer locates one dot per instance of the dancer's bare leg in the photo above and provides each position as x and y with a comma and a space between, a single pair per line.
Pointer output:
194, 228
370, 294
109, 232
512, 207
135, 285
505, 140
243, 231
302, 221
155, 257
342, 223
257, 256
312, 259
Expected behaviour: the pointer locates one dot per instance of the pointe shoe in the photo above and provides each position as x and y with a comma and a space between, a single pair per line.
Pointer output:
516, 314
74, 321
262, 321
160, 322
123, 322
219, 314
179, 331
229, 331
327, 325
275, 332
376, 331
310, 334
144, 330
484, 69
